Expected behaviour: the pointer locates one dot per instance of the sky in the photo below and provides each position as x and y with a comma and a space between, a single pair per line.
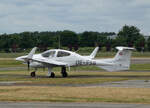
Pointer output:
77, 15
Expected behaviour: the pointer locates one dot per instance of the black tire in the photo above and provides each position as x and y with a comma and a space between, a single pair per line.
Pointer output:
32, 74
52, 75
64, 74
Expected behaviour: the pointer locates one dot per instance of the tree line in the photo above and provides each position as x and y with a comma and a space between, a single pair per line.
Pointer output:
127, 36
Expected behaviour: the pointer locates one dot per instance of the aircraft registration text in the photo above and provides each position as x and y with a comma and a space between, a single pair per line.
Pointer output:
87, 62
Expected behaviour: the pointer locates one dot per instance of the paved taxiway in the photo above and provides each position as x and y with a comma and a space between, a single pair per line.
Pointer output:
127, 84
68, 105
122, 84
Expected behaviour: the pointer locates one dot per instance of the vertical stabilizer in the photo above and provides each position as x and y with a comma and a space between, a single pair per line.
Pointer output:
123, 56
121, 61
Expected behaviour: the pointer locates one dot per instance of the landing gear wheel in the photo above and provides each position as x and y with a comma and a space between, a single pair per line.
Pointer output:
52, 75
32, 74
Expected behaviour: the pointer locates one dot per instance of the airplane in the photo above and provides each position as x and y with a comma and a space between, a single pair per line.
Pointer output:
66, 59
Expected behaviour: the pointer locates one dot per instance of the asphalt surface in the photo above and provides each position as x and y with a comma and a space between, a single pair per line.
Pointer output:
127, 84
68, 105
140, 60
122, 84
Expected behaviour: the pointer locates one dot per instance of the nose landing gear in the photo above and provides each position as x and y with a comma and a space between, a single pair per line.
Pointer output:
33, 74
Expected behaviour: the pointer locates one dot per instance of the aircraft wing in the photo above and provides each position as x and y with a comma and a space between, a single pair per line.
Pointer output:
49, 61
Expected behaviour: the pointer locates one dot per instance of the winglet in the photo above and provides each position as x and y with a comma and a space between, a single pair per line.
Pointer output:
30, 55
93, 54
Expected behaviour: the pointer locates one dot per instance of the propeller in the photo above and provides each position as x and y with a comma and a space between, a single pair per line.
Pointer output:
29, 57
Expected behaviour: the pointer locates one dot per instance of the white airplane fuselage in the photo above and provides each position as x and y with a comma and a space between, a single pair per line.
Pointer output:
73, 59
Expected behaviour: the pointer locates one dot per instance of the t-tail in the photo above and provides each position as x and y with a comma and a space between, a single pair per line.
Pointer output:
121, 61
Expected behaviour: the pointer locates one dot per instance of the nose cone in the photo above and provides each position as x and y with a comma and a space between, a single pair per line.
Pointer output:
21, 58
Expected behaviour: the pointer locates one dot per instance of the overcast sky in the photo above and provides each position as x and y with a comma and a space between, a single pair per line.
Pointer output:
76, 15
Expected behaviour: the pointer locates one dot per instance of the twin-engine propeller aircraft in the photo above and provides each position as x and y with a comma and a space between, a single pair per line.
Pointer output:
63, 58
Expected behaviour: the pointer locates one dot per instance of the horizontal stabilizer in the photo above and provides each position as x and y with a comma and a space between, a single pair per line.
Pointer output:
124, 48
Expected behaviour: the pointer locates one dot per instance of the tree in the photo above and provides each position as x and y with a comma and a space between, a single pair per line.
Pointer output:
27, 40
68, 38
88, 38
140, 43
148, 43
102, 40
130, 34
120, 41
14, 42
109, 44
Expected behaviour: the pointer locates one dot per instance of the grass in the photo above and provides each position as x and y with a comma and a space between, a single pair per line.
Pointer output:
11, 55
75, 94
10, 63
143, 67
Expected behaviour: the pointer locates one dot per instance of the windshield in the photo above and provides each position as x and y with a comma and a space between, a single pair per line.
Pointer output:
49, 54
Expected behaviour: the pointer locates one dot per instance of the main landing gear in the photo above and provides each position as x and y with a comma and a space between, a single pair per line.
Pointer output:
52, 74
63, 72
33, 73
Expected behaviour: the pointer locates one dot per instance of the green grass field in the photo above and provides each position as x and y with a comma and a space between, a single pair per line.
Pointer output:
74, 94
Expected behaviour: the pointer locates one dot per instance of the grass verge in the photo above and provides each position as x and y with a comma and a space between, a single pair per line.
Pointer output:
75, 94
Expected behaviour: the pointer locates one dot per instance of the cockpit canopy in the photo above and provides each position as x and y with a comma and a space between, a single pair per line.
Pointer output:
50, 53
62, 54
